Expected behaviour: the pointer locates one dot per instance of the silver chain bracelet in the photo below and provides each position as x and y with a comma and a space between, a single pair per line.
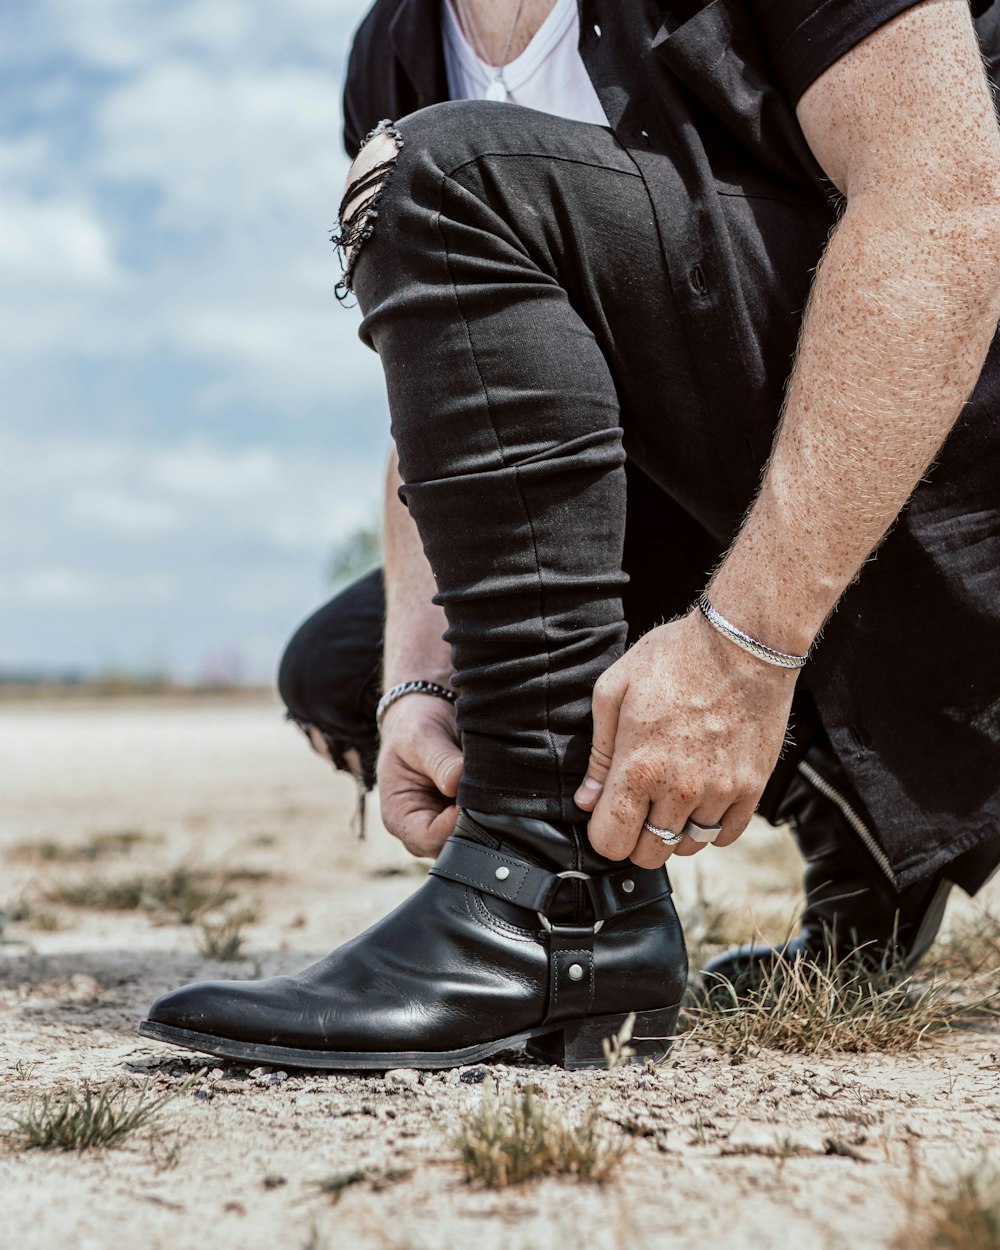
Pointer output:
780, 659
410, 687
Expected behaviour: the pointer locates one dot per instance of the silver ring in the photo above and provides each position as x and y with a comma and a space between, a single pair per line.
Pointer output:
665, 836
702, 833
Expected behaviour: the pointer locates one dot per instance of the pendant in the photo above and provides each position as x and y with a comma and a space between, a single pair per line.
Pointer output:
497, 90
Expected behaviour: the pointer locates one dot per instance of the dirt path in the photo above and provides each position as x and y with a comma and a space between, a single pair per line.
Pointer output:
773, 1151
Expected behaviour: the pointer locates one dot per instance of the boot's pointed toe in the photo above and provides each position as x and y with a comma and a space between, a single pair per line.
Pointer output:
238, 1009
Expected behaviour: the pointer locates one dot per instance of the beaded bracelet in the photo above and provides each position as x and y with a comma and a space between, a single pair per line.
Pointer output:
410, 687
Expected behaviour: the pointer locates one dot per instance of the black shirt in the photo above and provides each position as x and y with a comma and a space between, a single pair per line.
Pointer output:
907, 674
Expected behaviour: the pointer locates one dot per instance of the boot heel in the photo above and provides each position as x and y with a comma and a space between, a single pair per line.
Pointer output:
579, 1043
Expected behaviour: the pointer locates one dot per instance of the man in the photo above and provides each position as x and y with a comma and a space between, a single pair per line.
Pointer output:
539, 289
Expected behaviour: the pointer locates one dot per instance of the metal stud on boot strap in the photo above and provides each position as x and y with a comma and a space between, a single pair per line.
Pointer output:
571, 972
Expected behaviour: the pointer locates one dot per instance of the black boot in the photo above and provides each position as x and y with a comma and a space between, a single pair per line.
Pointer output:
852, 908
521, 936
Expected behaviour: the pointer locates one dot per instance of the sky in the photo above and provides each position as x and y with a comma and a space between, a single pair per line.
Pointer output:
188, 422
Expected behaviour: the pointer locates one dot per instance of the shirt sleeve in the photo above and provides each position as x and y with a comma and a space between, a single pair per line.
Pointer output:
805, 37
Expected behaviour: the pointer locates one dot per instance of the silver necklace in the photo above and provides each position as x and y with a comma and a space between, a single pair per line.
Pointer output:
496, 88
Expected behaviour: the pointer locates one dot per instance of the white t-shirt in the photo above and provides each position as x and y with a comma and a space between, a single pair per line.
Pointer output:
549, 75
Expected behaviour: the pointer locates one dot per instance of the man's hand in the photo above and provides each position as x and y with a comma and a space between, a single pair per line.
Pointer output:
419, 768
686, 726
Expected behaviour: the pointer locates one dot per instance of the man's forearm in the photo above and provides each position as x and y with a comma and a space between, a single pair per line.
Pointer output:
900, 319
414, 647
898, 327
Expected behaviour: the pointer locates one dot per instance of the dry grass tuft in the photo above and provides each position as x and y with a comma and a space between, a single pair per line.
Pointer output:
183, 894
961, 1214
504, 1143
377, 1179
84, 1118
806, 1007
27, 914
44, 921
224, 938
100, 845
617, 1051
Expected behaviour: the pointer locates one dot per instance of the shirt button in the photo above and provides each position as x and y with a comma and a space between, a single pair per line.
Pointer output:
597, 30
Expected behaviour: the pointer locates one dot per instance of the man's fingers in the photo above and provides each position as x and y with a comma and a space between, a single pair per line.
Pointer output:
446, 772
592, 786
735, 821
617, 819
607, 702
442, 827
421, 822
424, 837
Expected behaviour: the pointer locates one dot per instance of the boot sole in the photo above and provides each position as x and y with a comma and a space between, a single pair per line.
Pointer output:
573, 1044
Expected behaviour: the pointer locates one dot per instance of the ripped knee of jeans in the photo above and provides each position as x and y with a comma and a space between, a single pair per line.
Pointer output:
358, 210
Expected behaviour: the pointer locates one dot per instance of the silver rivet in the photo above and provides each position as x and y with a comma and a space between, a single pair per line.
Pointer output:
597, 30
502, 874
575, 972
628, 885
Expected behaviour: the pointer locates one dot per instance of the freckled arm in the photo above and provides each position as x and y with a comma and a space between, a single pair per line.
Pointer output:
902, 312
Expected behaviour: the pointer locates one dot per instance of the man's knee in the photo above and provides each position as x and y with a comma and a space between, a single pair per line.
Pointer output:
330, 672
438, 139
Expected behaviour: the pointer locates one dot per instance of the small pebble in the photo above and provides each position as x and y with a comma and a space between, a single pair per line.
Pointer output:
274, 1078
403, 1076
273, 1180
453, 1077
202, 1094
472, 1076
215, 1075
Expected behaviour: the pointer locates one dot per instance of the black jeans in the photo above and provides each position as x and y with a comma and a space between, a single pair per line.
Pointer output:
514, 287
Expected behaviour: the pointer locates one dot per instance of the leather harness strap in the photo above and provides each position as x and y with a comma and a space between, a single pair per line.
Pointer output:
525, 884
571, 972
528, 885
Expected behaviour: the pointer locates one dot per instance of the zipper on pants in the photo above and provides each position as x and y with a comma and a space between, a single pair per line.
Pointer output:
830, 792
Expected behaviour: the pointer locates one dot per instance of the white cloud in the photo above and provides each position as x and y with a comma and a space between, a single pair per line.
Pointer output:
267, 497
131, 34
60, 243
120, 511
61, 587
231, 148
239, 172
200, 471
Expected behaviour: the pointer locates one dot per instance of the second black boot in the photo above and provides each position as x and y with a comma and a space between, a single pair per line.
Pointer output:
852, 907
522, 936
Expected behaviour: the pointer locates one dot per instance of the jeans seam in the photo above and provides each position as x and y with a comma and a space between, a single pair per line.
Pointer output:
517, 479
543, 156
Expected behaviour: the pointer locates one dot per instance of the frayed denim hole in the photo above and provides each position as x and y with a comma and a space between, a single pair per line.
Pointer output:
358, 211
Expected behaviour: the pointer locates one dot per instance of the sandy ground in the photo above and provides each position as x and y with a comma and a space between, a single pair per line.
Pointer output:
775, 1151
